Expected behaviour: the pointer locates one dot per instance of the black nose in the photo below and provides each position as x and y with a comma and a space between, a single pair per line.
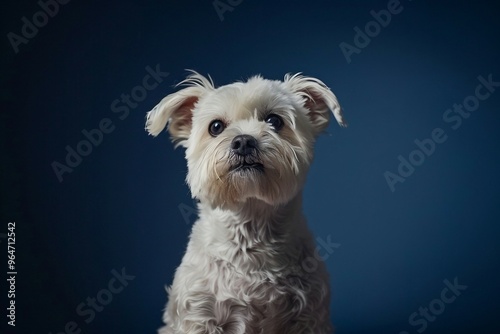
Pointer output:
244, 144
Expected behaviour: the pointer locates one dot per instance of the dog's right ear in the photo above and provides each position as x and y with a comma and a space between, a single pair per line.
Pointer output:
177, 109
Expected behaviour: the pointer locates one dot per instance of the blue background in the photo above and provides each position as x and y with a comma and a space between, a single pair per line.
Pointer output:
119, 208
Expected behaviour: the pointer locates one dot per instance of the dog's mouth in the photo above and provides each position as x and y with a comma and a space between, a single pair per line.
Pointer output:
244, 166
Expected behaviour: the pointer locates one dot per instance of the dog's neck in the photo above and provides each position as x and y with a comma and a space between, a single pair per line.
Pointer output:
254, 235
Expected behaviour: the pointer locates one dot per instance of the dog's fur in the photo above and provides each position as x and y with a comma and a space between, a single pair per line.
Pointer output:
244, 271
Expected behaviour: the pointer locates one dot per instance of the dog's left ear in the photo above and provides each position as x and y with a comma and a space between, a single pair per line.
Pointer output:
318, 100
177, 109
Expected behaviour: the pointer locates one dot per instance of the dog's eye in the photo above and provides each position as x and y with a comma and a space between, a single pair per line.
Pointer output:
275, 121
216, 128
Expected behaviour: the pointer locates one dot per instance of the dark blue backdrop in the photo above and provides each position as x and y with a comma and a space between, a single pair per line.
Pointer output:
125, 204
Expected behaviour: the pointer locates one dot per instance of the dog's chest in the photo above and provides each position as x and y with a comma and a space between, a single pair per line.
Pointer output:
253, 276
264, 300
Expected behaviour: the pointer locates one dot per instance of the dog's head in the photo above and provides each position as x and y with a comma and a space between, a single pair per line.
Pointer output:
249, 139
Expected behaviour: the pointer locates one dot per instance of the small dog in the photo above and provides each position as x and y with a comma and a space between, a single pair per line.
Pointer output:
248, 149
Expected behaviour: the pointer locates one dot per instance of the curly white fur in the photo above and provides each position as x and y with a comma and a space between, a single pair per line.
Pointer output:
243, 271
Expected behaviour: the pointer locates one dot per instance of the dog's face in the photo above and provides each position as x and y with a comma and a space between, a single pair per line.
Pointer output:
246, 140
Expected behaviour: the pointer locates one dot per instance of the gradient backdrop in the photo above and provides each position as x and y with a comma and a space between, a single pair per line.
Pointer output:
125, 204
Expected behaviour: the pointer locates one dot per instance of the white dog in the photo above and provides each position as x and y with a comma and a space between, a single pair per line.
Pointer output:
248, 148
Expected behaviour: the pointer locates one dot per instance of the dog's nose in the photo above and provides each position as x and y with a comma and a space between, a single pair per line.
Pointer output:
244, 144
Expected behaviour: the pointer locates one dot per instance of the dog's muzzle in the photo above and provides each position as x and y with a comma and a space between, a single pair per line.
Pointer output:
244, 145
245, 154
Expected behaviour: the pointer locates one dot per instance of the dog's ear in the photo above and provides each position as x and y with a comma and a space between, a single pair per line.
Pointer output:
177, 109
318, 99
